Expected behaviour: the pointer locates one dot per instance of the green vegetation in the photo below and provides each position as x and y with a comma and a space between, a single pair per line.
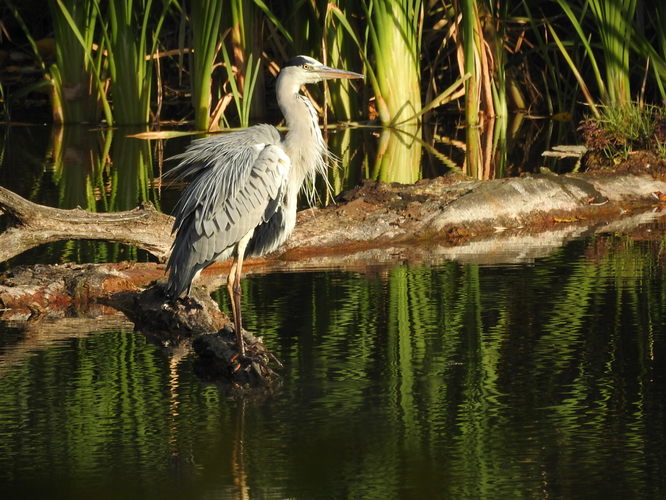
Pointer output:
205, 21
141, 61
408, 49
617, 131
76, 96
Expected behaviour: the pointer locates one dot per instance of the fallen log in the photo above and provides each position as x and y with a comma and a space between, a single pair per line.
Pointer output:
375, 222
507, 220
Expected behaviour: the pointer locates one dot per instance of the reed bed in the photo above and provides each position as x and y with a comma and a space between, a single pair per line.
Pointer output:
570, 50
563, 59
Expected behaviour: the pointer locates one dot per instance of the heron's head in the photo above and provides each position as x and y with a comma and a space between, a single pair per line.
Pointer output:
301, 70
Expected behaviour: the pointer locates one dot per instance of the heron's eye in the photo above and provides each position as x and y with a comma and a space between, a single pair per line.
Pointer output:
306, 66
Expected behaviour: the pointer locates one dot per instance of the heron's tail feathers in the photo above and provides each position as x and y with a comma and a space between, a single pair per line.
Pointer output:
180, 280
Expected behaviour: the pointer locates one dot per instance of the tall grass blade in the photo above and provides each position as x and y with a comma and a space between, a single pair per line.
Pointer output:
339, 51
471, 63
126, 34
574, 69
583, 38
399, 154
614, 21
93, 62
75, 88
246, 40
206, 18
242, 99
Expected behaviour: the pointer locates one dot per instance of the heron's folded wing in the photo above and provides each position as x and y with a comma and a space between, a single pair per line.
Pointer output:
211, 217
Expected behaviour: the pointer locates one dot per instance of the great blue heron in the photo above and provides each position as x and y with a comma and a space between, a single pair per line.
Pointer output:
242, 198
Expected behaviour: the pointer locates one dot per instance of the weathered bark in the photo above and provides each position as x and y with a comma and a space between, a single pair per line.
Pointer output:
378, 214
39, 298
447, 216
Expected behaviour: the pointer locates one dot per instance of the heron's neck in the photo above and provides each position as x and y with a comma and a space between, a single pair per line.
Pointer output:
303, 143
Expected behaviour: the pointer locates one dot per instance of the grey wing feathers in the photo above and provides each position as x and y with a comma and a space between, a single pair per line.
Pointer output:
239, 179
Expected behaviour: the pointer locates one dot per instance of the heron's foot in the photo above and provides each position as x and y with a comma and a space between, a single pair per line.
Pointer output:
254, 357
255, 360
219, 357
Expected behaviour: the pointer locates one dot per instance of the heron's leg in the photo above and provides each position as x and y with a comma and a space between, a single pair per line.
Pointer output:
230, 288
236, 291
233, 287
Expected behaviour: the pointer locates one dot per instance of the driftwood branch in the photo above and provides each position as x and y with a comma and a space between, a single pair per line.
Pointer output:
34, 225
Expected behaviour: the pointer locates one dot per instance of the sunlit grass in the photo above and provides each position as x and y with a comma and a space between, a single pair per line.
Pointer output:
242, 98
619, 130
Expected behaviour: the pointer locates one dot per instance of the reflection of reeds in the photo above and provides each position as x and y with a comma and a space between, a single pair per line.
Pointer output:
131, 172
77, 167
473, 375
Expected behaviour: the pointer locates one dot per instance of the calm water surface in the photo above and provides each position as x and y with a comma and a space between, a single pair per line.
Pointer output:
449, 381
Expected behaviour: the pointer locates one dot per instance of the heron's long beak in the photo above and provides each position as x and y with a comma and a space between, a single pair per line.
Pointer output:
328, 73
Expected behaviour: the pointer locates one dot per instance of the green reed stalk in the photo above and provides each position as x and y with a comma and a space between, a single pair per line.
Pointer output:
576, 23
246, 39
560, 93
242, 98
660, 23
394, 30
471, 66
589, 98
92, 60
126, 35
495, 29
399, 154
206, 17
484, 59
66, 56
339, 51
76, 96
614, 21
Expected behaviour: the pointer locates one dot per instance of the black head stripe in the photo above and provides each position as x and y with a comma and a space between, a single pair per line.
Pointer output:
297, 61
